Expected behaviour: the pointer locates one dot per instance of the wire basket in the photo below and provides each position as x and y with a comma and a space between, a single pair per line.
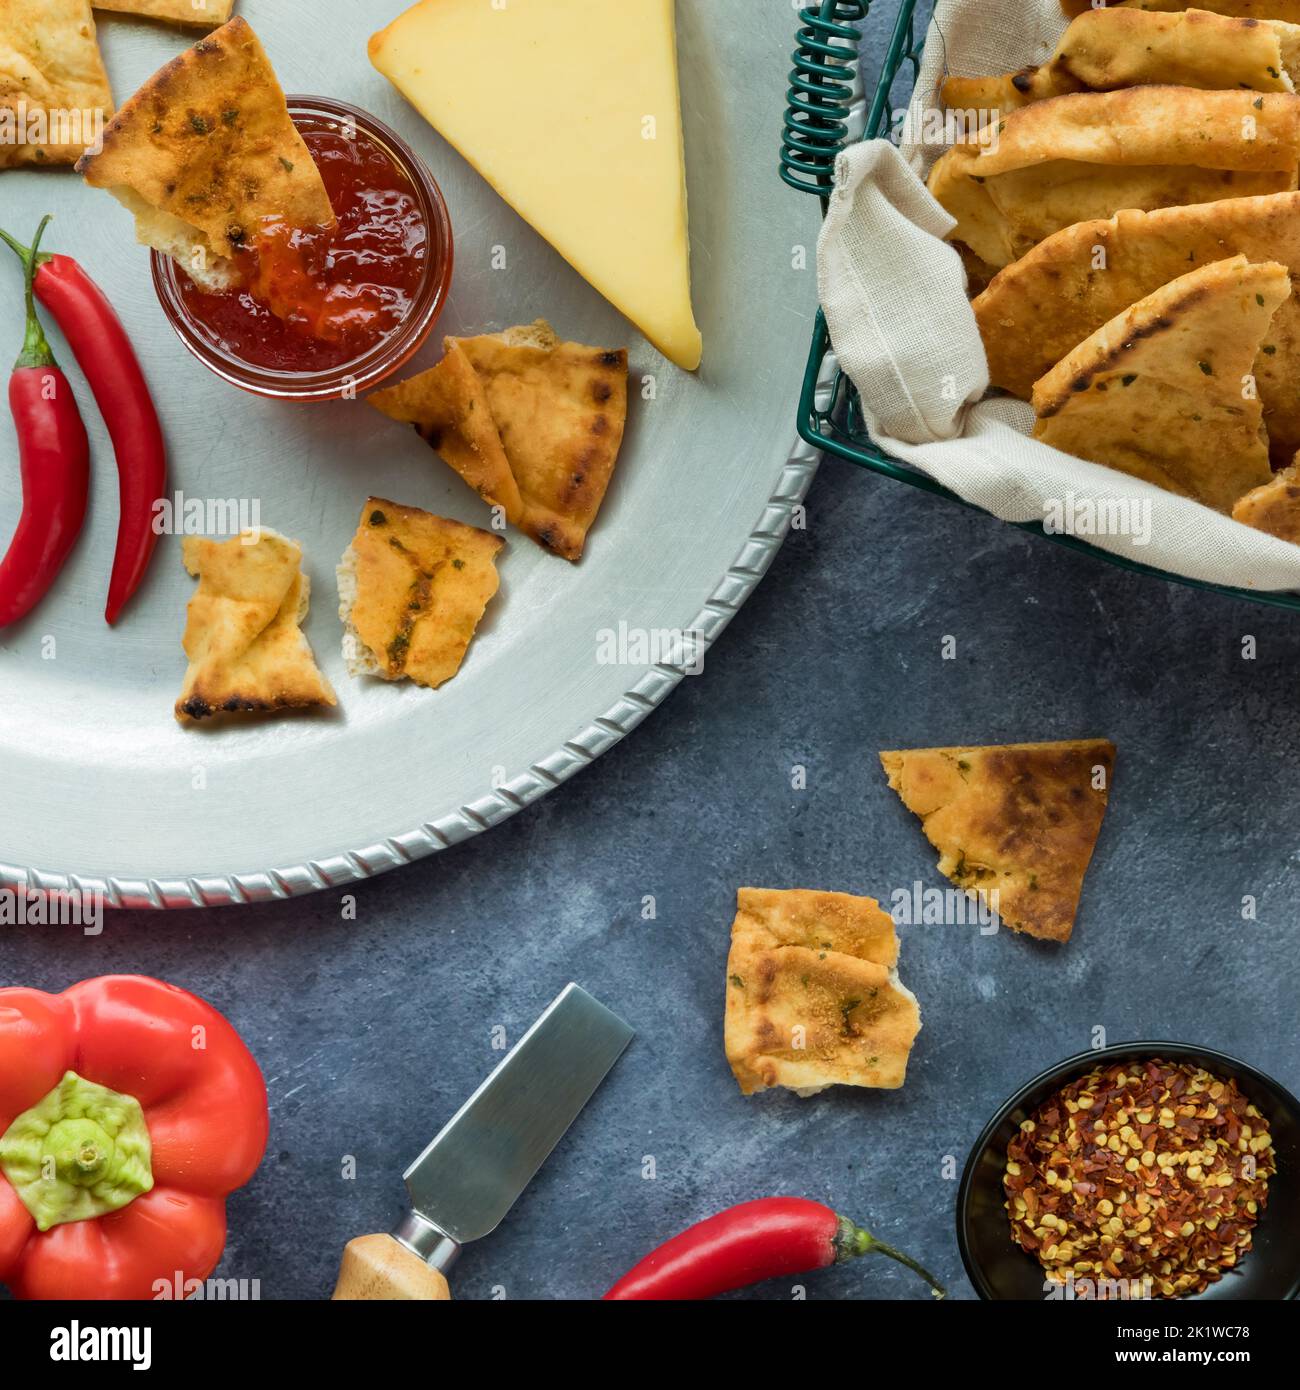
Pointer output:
821, 106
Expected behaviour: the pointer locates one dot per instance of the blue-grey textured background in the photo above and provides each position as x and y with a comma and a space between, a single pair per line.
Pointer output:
371, 1031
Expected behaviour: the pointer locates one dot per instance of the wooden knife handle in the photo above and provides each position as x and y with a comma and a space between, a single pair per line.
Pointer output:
379, 1267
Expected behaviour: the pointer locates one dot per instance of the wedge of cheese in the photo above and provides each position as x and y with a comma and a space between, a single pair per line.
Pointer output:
570, 110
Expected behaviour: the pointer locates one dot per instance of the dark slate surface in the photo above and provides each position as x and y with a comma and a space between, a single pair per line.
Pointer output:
371, 1031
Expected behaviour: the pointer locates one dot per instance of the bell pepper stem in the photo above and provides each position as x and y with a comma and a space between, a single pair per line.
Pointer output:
852, 1240
80, 1152
36, 348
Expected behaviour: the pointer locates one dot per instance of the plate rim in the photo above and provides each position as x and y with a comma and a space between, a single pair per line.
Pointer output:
600, 734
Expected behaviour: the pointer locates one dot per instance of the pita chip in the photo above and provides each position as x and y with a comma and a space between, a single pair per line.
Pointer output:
813, 995
54, 92
1165, 392
413, 588
198, 14
1104, 50
1237, 9
206, 152
243, 636
1275, 506
1050, 300
449, 408
1014, 825
560, 409
1074, 158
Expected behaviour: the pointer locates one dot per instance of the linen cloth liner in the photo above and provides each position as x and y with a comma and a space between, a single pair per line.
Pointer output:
893, 292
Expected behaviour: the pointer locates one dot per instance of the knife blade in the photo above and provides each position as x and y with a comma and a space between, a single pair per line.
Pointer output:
474, 1170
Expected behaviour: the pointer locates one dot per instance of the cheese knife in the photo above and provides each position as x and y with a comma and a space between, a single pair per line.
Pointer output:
469, 1177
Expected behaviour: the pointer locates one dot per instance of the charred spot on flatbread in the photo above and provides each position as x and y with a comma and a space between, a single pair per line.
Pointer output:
54, 92
1014, 825
413, 588
813, 996
1164, 392
1074, 158
243, 635
206, 154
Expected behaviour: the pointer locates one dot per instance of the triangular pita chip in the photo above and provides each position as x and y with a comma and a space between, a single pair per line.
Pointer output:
54, 92
413, 588
1239, 9
206, 152
1275, 506
1165, 391
1048, 302
1073, 158
200, 14
1104, 50
1015, 825
243, 635
561, 409
449, 408
813, 996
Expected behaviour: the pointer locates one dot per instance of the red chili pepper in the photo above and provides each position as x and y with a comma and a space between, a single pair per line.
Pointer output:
54, 458
757, 1240
104, 352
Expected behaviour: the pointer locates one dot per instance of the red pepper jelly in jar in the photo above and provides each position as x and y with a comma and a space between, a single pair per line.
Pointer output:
323, 312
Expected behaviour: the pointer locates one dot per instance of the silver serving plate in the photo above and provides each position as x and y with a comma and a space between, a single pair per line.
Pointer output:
101, 791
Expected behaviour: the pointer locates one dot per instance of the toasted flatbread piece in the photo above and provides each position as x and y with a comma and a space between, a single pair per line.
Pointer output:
1072, 158
54, 94
206, 152
1015, 825
448, 406
813, 998
243, 636
413, 588
1274, 507
1048, 302
1104, 50
560, 409
1166, 392
1239, 9
199, 14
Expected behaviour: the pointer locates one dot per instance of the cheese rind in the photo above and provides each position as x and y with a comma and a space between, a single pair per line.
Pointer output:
570, 110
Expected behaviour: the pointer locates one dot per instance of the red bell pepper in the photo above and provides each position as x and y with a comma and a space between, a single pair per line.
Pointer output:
746, 1244
129, 1110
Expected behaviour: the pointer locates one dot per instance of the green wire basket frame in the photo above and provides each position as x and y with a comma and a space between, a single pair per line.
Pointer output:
819, 108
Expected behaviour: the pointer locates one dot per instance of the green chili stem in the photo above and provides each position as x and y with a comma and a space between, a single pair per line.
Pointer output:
36, 348
855, 1240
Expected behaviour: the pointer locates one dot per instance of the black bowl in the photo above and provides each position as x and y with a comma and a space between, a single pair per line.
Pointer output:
998, 1267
